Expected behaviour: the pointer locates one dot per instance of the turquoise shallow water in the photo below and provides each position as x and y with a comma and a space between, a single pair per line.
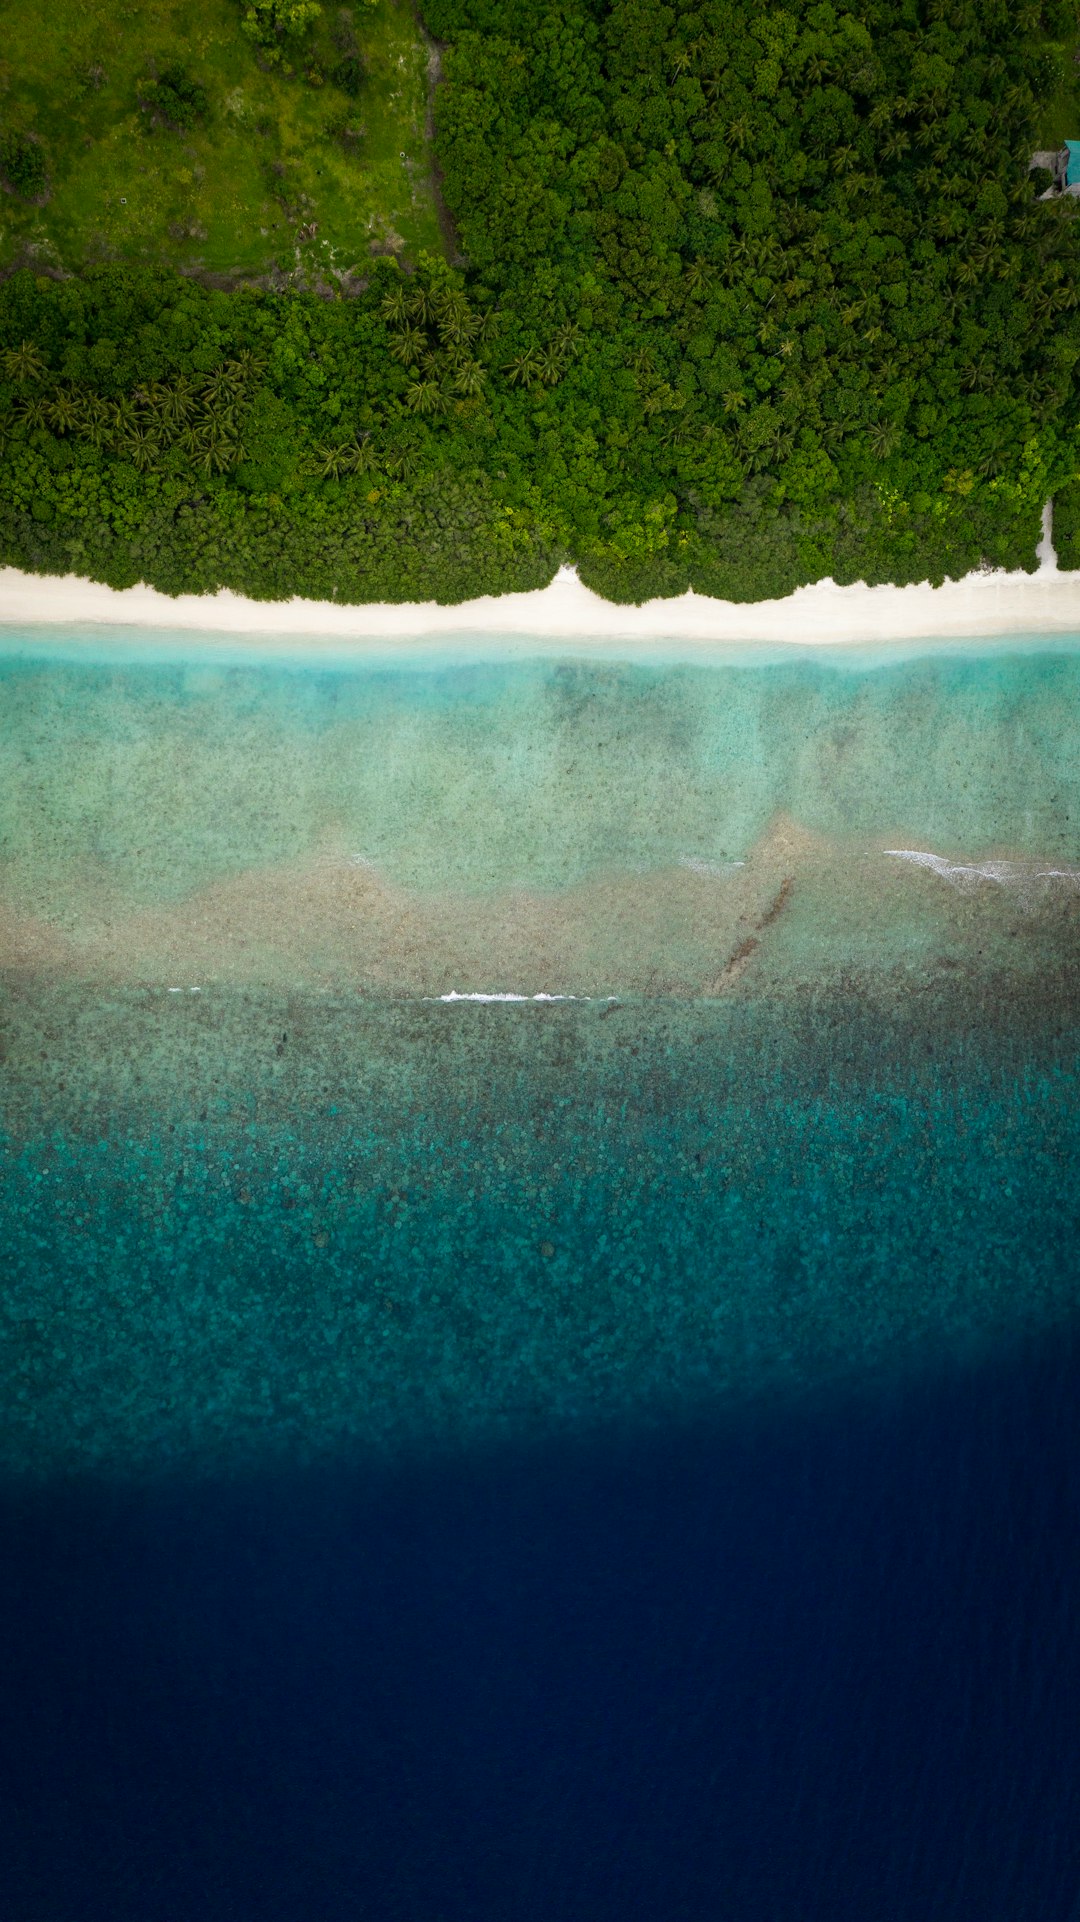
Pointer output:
539, 774
267, 1196
287, 1231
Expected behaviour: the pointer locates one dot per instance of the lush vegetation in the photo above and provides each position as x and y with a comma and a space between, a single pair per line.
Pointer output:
195, 134
751, 296
22, 166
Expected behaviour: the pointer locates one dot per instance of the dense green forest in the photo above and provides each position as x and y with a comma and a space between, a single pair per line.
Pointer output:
745, 296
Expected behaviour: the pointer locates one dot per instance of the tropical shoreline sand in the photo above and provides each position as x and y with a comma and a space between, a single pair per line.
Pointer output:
563, 618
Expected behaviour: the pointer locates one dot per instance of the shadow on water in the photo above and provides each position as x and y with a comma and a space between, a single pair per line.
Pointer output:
818, 1664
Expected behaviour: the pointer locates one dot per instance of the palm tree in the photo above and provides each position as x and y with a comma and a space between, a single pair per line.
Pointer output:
210, 389
220, 418
697, 278
986, 257
223, 384
425, 397
23, 362
423, 306
394, 306
550, 365
141, 447
992, 459
94, 419
125, 414
192, 439
361, 454
523, 370
884, 438
151, 403
34, 413
63, 411
468, 379
455, 327
178, 402
218, 453
485, 325
401, 461
408, 346
452, 318
331, 462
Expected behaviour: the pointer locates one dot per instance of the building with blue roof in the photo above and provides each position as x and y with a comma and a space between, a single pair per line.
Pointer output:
1063, 165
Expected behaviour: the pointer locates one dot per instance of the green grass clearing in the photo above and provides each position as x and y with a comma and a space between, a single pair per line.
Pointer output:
233, 195
1059, 118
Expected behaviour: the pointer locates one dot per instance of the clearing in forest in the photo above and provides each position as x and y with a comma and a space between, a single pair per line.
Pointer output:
170, 133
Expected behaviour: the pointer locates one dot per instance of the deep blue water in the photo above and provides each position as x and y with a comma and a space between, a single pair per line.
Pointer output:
824, 1665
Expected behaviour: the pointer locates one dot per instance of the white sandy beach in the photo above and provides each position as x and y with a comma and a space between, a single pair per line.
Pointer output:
565, 617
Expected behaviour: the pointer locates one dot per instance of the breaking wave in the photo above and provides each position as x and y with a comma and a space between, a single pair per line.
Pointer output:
967, 876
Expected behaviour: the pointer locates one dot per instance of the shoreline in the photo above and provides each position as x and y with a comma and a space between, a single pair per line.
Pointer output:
564, 618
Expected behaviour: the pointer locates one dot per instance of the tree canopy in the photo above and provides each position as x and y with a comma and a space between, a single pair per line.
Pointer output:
749, 296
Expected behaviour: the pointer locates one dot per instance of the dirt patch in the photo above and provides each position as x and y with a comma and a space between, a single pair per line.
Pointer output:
434, 79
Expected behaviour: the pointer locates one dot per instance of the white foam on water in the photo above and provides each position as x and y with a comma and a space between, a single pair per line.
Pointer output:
967, 875
715, 869
455, 995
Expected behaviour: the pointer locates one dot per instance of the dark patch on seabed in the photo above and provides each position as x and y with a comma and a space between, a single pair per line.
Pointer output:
688, 1399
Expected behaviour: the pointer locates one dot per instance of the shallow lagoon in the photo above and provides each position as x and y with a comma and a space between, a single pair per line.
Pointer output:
788, 1093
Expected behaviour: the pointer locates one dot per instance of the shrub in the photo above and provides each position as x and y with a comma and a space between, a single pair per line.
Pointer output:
174, 99
268, 21
22, 165
347, 130
348, 74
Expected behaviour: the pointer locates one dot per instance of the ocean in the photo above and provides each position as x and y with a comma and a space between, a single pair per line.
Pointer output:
539, 1353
